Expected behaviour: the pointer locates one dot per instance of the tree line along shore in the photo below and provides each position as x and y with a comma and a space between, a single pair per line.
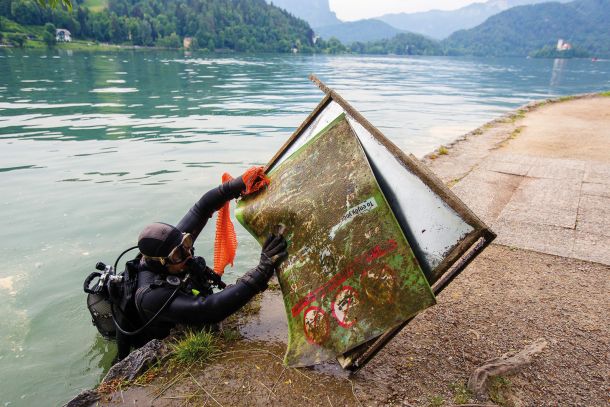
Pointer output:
255, 26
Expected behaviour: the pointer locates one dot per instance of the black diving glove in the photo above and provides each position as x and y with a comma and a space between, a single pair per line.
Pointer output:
273, 254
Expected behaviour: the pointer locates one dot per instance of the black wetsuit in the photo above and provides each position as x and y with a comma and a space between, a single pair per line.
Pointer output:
186, 307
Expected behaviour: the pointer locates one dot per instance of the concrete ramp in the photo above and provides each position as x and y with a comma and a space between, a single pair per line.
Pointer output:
540, 178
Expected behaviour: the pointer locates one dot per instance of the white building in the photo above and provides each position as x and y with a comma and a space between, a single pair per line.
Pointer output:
63, 35
563, 45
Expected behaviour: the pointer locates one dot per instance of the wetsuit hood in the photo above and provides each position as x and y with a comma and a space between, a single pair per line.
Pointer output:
158, 239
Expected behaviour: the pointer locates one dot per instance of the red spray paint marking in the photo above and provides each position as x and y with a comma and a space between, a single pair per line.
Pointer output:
352, 297
319, 317
376, 252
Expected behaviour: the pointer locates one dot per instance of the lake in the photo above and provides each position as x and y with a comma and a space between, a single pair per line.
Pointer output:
94, 146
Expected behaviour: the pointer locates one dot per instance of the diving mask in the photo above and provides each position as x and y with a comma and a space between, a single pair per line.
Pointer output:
179, 253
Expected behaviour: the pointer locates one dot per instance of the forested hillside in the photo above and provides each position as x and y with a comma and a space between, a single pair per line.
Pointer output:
401, 44
522, 30
240, 25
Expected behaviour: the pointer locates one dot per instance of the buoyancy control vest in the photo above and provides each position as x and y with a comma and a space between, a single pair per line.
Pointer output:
113, 297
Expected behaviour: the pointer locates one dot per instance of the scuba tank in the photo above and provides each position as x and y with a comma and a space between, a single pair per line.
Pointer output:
98, 300
106, 289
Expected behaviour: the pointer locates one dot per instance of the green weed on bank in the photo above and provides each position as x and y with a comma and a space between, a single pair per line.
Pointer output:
195, 347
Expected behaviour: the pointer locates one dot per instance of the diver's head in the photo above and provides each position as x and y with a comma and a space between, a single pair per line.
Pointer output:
165, 247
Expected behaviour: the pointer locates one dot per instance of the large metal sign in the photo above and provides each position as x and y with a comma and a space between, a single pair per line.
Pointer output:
373, 234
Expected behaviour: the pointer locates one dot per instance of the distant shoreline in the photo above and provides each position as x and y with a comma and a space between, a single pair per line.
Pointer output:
81, 45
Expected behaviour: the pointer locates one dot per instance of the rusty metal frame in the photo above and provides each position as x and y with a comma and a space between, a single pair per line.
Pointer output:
456, 260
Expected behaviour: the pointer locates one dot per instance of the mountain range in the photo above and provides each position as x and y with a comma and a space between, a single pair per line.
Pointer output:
440, 24
437, 24
522, 30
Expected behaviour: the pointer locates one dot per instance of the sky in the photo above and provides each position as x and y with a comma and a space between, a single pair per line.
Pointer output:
350, 10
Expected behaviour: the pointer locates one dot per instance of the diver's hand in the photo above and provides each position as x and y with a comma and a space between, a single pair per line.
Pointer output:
274, 250
273, 254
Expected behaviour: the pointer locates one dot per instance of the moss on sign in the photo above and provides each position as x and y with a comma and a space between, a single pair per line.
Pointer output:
350, 274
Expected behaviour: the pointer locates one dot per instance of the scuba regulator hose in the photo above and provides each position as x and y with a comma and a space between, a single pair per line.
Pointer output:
151, 320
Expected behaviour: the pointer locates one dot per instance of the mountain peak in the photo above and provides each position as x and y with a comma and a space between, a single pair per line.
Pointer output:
316, 12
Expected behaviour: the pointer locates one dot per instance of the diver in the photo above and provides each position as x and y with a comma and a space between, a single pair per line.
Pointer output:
174, 287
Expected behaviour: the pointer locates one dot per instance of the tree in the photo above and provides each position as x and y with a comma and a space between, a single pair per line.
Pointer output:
118, 30
17, 39
146, 33
55, 3
25, 12
5, 8
49, 35
335, 46
171, 41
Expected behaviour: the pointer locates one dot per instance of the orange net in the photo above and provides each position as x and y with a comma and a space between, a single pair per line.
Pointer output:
225, 244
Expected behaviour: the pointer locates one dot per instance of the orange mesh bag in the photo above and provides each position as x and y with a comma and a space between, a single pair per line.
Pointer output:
225, 243
255, 179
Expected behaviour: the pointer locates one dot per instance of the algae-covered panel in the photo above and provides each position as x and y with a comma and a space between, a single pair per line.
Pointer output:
350, 274
433, 228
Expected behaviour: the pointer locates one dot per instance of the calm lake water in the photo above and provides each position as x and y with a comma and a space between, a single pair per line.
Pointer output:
94, 146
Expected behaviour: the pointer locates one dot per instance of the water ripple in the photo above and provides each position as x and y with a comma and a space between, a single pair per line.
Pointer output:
114, 90
21, 167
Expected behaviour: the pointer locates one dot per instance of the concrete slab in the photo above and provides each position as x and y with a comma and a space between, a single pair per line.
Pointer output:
544, 201
591, 247
468, 153
589, 188
487, 192
594, 215
597, 172
556, 168
516, 167
534, 236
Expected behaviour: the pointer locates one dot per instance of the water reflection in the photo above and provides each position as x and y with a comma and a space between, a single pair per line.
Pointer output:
100, 355
559, 64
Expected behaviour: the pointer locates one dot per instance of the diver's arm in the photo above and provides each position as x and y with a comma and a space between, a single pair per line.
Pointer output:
190, 309
197, 217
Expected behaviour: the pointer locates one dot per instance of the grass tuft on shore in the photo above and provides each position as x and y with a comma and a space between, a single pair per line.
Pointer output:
461, 394
500, 389
606, 94
436, 401
195, 347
